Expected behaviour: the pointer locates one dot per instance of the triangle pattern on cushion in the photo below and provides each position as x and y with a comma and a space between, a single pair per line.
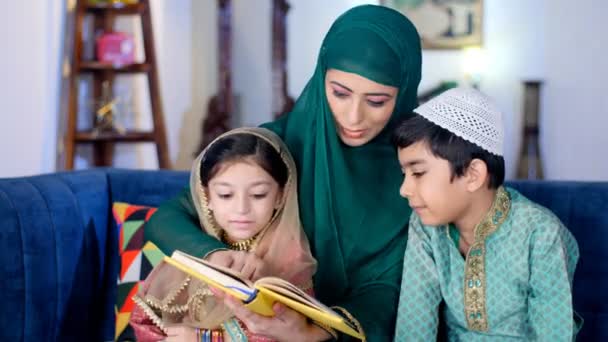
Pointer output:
122, 322
153, 253
126, 259
132, 209
132, 272
129, 228
129, 303
122, 294
145, 269
137, 240
119, 210
150, 246
137, 260
150, 213
120, 239
139, 214
127, 335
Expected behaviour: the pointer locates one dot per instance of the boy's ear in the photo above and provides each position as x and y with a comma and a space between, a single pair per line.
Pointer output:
477, 175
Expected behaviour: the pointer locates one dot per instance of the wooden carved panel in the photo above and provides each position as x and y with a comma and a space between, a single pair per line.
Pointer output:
281, 101
219, 108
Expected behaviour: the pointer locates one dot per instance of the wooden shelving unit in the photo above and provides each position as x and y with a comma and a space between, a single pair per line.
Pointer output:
103, 141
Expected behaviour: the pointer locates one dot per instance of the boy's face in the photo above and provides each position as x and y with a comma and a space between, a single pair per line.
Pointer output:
427, 185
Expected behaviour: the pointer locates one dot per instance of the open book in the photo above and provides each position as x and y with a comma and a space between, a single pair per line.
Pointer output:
260, 296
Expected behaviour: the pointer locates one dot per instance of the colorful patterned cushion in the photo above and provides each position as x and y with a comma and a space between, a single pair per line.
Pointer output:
137, 258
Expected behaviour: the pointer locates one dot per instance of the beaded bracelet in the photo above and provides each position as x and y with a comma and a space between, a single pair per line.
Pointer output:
208, 335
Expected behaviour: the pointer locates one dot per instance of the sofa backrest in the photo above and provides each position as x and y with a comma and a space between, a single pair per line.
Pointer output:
58, 248
583, 208
149, 188
57, 281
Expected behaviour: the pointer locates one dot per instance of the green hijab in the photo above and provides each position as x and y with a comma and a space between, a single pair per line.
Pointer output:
349, 196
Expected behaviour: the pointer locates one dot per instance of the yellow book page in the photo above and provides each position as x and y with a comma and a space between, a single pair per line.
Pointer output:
331, 319
269, 291
210, 281
291, 291
261, 305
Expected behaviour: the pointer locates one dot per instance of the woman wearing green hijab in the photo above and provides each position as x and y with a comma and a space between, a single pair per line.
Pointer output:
365, 81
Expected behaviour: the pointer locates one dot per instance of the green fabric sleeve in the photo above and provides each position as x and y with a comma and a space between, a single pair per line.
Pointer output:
550, 309
418, 311
175, 225
374, 306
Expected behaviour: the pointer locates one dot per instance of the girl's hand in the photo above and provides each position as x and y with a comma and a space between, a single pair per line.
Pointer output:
286, 325
249, 265
221, 258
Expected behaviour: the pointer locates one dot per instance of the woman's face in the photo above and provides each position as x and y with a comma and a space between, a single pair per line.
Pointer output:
360, 106
243, 198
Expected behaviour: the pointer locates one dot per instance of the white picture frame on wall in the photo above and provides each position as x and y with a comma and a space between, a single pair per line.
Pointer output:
444, 24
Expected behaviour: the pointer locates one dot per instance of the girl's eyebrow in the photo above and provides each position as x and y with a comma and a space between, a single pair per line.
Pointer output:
260, 183
221, 183
252, 184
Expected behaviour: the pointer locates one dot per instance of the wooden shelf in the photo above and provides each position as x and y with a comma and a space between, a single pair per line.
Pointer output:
101, 77
117, 8
129, 136
93, 66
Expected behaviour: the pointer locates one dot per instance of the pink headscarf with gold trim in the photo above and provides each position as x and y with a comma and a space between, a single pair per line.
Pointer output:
169, 296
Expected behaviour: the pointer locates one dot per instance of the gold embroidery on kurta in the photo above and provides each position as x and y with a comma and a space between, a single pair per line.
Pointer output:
474, 274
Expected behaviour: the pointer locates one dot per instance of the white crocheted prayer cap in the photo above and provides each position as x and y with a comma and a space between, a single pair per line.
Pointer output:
469, 114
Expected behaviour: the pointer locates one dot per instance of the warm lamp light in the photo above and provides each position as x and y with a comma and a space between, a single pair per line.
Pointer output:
474, 65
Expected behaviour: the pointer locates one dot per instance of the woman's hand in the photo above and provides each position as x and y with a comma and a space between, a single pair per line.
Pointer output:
249, 265
286, 325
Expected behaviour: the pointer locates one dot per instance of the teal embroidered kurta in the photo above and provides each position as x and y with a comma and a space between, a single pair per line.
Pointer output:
523, 291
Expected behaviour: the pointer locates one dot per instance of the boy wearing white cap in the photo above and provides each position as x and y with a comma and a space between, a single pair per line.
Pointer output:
501, 265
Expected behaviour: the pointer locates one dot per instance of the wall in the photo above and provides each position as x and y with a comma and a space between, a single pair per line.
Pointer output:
514, 51
28, 86
522, 40
575, 105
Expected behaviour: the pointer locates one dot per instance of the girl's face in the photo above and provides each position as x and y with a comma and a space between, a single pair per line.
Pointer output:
361, 107
243, 198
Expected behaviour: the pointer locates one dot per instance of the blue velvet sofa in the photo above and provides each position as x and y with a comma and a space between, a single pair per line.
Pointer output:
59, 261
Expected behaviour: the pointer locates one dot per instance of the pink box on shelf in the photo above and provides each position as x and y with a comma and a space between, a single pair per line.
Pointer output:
116, 48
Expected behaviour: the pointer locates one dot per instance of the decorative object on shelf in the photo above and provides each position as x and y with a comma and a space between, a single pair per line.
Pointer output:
529, 165
281, 101
444, 24
106, 129
219, 109
107, 112
116, 48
